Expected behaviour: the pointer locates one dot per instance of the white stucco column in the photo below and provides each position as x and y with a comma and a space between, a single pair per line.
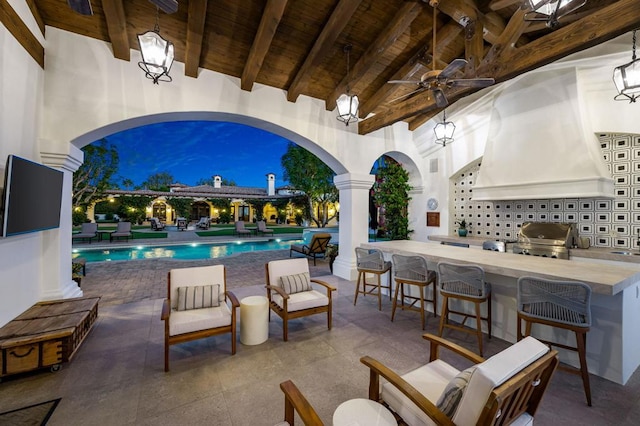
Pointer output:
354, 220
56, 244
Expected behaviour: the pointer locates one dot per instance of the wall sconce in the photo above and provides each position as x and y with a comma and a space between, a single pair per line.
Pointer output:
627, 77
444, 130
157, 54
347, 103
551, 10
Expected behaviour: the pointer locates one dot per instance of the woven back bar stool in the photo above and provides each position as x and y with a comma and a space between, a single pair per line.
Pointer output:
413, 271
464, 282
560, 304
371, 261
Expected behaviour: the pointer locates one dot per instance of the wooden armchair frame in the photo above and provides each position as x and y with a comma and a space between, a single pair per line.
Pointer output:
199, 334
519, 394
283, 311
294, 402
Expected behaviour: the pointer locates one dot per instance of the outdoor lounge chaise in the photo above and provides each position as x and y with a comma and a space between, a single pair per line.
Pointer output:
262, 228
316, 248
241, 230
88, 232
204, 223
181, 224
123, 230
156, 225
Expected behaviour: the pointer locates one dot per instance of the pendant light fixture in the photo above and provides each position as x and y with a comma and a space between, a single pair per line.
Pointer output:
627, 77
551, 11
347, 103
444, 130
157, 54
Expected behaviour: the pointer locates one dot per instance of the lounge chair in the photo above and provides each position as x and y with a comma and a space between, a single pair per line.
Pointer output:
156, 225
181, 223
204, 223
123, 230
262, 228
316, 248
88, 232
241, 230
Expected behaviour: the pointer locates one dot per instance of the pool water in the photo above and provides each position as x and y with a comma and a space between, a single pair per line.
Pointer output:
192, 251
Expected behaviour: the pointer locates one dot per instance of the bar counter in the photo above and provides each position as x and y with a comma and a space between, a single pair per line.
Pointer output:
613, 343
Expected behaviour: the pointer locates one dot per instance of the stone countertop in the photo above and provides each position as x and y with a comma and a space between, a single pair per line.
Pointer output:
608, 281
602, 253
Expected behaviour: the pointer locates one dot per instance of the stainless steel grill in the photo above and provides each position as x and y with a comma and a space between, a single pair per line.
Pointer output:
546, 239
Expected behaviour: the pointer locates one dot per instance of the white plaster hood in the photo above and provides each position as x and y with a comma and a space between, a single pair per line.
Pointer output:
539, 145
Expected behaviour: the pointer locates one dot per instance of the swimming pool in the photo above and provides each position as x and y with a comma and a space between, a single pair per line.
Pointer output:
191, 251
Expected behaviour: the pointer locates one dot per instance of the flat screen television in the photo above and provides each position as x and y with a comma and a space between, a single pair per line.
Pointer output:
32, 197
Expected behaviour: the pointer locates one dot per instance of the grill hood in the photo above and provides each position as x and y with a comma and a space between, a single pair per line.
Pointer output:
538, 145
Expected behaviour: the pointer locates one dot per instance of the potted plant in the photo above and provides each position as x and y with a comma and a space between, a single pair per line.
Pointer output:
331, 253
76, 274
462, 227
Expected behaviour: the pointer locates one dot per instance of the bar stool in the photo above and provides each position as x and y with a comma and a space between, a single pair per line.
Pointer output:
561, 304
412, 270
464, 282
371, 261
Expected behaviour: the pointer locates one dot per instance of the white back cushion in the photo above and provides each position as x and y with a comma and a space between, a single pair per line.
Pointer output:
202, 275
492, 373
279, 268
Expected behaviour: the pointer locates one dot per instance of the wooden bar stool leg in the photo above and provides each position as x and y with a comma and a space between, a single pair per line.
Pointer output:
478, 326
355, 298
389, 282
395, 300
581, 339
444, 315
422, 304
434, 285
489, 315
379, 292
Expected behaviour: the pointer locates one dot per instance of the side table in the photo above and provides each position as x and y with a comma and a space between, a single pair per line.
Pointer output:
254, 320
363, 412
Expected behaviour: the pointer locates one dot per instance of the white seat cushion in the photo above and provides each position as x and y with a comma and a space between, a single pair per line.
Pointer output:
430, 380
181, 322
303, 300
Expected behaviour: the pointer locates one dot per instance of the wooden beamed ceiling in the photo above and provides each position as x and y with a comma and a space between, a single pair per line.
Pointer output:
298, 45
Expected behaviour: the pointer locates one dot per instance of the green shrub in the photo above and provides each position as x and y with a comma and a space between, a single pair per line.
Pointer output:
298, 218
225, 217
79, 217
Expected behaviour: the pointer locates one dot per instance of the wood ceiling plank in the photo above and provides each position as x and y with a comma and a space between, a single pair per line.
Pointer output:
117, 28
501, 4
504, 61
330, 32
10, 19
36, 14
195, 31
271, 17
398, 25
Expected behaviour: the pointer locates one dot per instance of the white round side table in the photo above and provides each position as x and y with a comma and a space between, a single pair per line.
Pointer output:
363, 412
254, 320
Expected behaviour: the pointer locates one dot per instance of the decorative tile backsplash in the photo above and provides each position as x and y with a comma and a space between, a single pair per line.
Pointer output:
607, 222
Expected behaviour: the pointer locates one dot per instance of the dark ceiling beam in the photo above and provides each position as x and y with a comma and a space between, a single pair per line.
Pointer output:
19, 30
271, 17
504, 60
501, 4
195, 31
36, 14
419, 120
407, 13
324, 43
473, 45
117, 28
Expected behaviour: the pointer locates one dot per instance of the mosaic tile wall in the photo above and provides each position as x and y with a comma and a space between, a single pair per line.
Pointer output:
607, 222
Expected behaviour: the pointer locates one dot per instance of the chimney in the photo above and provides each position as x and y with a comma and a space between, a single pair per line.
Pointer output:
271, 184
217, 181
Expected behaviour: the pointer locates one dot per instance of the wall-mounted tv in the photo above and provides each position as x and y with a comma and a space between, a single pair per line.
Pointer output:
32, 197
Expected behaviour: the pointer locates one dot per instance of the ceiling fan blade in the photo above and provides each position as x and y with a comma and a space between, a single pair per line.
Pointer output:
83, 7
471, 82
404, 81
451, 69
440, 98
406, 95
167, 6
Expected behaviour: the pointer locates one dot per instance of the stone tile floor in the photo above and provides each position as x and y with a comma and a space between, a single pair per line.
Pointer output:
117, 377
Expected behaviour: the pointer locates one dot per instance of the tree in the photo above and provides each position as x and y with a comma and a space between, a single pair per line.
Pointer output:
127, 183
391, 190
94, 175
309, 174
258, 206
182, 206
134, 208
159, 182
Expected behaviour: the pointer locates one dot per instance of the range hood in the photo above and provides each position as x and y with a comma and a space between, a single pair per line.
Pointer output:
538, 146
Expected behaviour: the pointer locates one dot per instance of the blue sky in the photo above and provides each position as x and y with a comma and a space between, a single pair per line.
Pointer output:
194, 150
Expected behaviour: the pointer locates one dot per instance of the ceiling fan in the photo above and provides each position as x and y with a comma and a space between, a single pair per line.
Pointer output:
438, 80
